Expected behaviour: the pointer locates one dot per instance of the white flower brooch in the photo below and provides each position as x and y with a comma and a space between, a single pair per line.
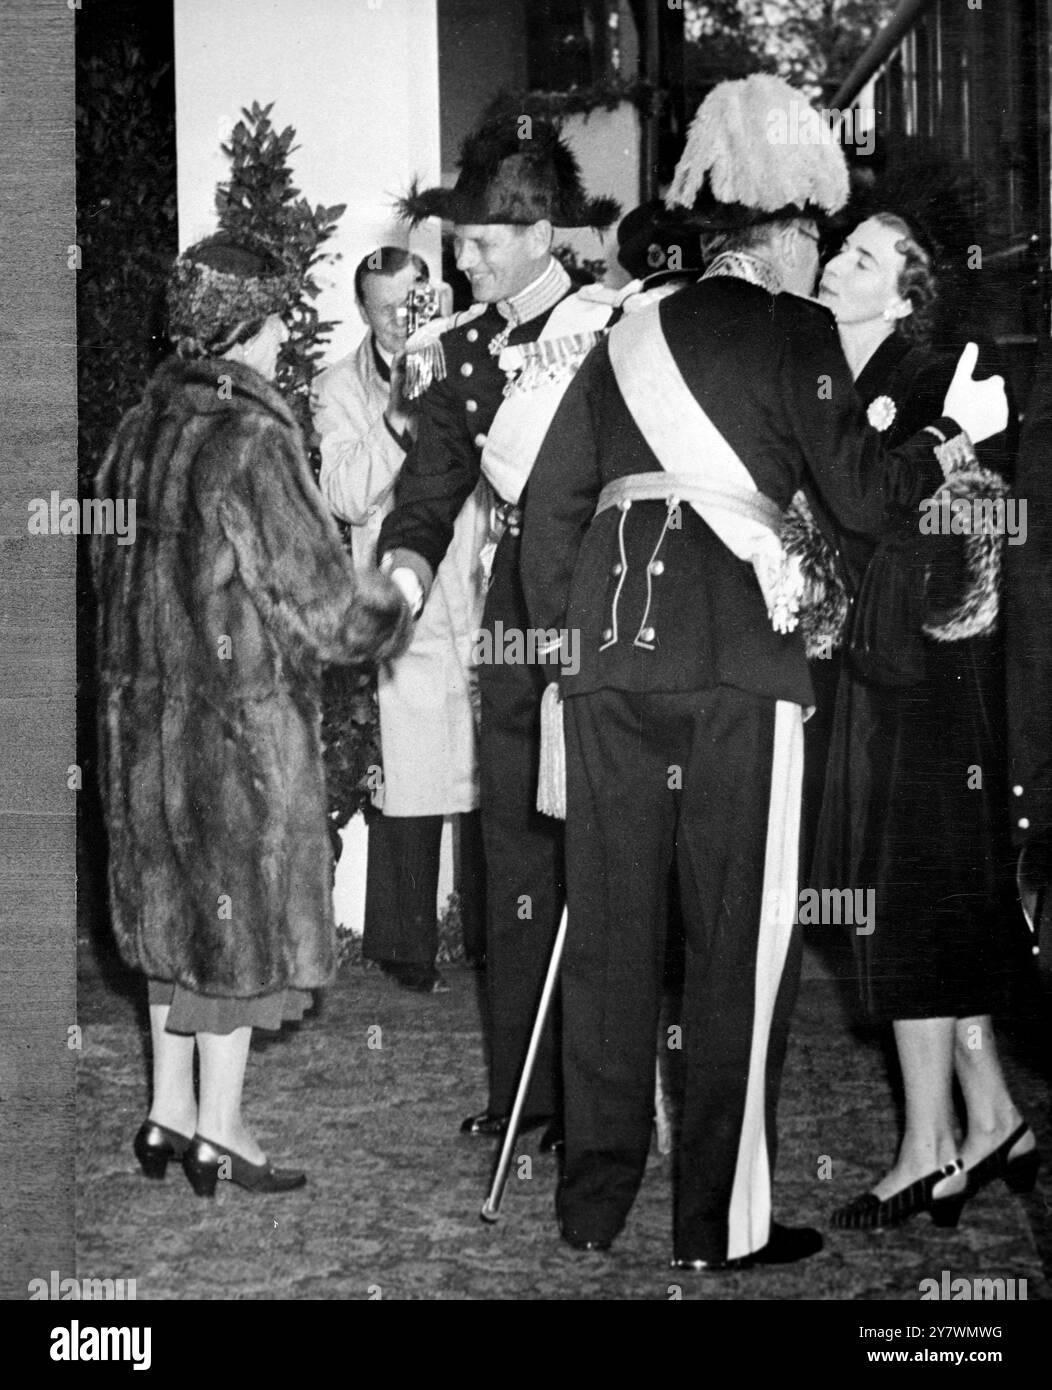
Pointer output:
881, 413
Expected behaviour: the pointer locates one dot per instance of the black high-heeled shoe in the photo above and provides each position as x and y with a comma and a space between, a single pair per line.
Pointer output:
156, 1145
202, 1164
869, 1212
1019, 1173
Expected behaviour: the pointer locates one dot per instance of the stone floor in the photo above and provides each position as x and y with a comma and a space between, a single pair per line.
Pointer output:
392, 1206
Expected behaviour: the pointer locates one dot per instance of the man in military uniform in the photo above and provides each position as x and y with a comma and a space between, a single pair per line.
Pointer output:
497, 381
653, 527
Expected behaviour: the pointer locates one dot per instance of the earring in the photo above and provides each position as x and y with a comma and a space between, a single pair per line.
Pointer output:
887, 316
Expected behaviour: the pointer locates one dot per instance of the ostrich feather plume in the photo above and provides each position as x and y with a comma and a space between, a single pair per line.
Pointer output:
761, 145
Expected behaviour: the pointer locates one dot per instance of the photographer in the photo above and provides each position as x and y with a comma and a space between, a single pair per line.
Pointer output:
427, 729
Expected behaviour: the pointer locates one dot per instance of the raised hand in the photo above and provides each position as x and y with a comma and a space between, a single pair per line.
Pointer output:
979, 407
399, 407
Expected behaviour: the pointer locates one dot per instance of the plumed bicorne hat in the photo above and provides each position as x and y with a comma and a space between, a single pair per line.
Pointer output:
757, 151
514, 170
225, 281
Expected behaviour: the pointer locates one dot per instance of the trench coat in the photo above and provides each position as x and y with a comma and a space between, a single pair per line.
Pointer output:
426, 697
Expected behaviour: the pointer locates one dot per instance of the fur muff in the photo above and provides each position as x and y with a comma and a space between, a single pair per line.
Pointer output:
212, 630
964, 580
825, 604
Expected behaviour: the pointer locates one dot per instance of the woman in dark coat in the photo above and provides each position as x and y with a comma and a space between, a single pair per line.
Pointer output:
913, 802
213, 627
1028, 654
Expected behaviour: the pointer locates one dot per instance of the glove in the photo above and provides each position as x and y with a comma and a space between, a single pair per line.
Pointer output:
979, 407
411, 588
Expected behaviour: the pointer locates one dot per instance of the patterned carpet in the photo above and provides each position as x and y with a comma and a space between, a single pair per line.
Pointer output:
391, 1208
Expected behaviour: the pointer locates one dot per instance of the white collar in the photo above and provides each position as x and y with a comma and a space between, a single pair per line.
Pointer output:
538, 297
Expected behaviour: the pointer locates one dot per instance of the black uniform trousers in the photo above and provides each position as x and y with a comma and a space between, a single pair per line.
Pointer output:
651, 777
401, 886
525, 888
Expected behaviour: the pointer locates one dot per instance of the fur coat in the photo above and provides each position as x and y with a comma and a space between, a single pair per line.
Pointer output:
213, 627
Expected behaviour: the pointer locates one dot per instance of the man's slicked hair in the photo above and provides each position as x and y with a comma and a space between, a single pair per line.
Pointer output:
388, 260
752, 238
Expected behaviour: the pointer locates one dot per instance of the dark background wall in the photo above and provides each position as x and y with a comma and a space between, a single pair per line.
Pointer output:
126, 230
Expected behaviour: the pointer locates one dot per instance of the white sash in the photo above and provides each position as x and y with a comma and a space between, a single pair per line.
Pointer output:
521, 422
685, 441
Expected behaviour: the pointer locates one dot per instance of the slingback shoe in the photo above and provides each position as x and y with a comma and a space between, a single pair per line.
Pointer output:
156, 1145
868, 1212
1019, 1173
202, 1164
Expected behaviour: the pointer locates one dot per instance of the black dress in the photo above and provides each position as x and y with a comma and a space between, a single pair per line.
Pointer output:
914, 801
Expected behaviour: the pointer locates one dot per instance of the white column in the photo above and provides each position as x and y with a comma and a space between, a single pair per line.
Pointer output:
606, 144
357, 79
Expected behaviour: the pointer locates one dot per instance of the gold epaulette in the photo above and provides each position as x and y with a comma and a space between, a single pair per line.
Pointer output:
425, 357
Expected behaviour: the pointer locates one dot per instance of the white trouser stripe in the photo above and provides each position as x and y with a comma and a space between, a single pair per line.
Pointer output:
750, 1212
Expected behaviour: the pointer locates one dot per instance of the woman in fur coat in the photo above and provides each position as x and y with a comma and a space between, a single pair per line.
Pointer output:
213, 627
913, 804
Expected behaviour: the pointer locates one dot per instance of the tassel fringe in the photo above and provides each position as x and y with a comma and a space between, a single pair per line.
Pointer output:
423, 365
551, 781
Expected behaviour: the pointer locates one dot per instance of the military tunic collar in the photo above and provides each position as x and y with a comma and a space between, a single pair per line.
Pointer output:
537, 298
741, 266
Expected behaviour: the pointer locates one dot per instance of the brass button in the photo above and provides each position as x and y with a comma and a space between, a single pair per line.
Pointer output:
472, 335
617, 568
647, 635
471, 406
1023, 823
466, 369
1017, 790
480, 441
608, 632
657, 567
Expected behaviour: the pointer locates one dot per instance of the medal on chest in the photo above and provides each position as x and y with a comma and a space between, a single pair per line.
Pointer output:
546, 362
